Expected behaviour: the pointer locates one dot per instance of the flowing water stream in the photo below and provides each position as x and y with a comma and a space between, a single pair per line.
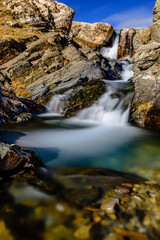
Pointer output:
99, 136
64, 200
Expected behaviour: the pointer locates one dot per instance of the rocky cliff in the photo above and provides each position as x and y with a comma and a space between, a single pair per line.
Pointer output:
42, 14
49, 61
146, 104
39, 59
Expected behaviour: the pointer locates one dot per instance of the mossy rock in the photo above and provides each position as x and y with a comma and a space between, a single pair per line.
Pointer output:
83, 97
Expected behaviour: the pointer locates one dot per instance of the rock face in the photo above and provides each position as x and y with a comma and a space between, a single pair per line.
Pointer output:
56, 65
10, 48
146, 104
51, 63
42, 14
13, 108
99, 34
125, 48
156, 11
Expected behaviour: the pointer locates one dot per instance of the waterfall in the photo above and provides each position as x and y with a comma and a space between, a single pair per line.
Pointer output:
56, 104
112, 52
112, 108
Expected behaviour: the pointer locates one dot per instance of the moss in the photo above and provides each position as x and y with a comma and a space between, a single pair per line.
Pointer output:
84, 97
145, 107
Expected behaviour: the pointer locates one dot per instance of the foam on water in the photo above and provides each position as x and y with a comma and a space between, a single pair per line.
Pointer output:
111, 52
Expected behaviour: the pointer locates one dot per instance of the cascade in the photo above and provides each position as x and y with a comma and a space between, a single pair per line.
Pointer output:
56, 103
112, 108
112, 52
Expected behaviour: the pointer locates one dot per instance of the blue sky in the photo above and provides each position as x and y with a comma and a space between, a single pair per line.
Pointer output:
119, 13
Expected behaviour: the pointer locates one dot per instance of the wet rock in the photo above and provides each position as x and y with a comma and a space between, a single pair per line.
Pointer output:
95, 34
15, 109
14, 160
125, 47
122, 190
83, 96
83, 197
109, 205
111, 69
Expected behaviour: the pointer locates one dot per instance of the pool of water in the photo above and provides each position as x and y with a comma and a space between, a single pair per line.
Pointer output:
73, 142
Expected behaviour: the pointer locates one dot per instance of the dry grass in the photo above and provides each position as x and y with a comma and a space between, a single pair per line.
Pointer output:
18, 33
11, 32
20, 89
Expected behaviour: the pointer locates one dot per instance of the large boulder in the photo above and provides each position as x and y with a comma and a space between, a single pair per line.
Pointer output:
14, 159
146, 104
42, 14
95, 34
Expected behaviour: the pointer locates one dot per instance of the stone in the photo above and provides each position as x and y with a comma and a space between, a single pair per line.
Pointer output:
16, 109
13, 24
145, 108
99, 34
9, 48
125, 48
156, 11
42, 15
14, 160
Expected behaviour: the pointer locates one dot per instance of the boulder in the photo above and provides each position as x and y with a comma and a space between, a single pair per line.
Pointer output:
94, 35
156, 11
125, 48
42, 14
15, 109
14, 160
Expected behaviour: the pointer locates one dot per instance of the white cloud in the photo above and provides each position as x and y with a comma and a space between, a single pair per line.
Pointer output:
139, 17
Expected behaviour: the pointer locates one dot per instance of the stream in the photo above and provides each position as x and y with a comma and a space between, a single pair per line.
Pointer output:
66, 200
99, 136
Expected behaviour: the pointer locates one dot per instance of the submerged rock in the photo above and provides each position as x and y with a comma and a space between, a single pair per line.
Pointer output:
83, 207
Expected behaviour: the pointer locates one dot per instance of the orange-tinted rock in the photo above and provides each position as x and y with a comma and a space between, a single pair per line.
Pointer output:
125, 48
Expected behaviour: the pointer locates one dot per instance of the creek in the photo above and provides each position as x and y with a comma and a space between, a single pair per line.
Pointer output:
79, 195
99, 136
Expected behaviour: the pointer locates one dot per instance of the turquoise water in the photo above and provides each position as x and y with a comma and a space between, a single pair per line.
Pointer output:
60, 142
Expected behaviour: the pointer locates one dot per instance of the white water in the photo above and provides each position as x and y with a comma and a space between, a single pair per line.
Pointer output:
108, 110
56, 104
112, 52
112, 108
